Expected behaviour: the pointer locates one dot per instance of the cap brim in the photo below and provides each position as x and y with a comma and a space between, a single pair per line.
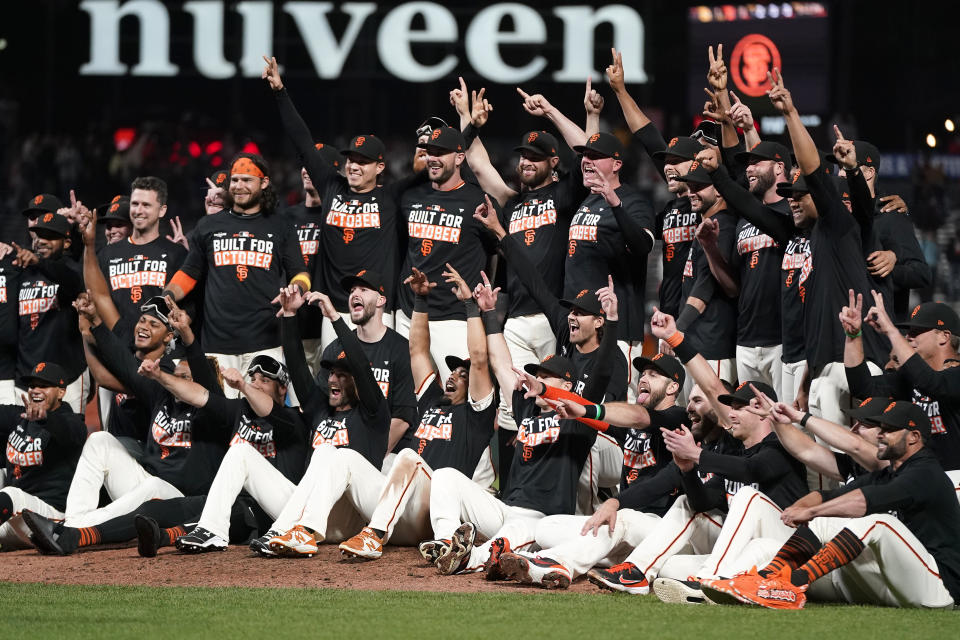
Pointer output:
580, 148
368, 156
348, 283
454, 362
570, 304
730, 399
336, 364
534, 151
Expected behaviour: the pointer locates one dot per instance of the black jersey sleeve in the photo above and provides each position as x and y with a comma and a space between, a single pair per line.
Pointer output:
68, 430
636, 224
831, 213
897, 234
201, 369
64, 272
321, 174
291, 256
943, 385
652, 141
768, 463
864, 384
861, 202
371, 397
287, 423
124, 365
9, 416
195, 264
596, 387
647, 491
778, 227
703, 496
306, 388
530, 277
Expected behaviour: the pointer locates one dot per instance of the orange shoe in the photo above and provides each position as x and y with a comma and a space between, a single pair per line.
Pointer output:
298, 542
366, 544
724, 591
773, 592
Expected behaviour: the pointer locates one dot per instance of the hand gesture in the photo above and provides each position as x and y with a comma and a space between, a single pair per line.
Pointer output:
87, 225
5, 250
851, 316
25, 257
178, 236
881, 263
708, 232
526, 381
717, 73
877, 315
86, 308
777, 410
535, 105
485, 295
709, 159
608, 300
680, 442
213, 201
844, 151
487, 216
290, 299
150, 369
460, 287
893, 203
321, 300
662, 325
615, 72
32, 411
418, 283
180, 321
271, 73
606, 514
600, 184
592, 101
460, 99
779, 96
233, 378
567, 408
711, 108
480, 112
739, 113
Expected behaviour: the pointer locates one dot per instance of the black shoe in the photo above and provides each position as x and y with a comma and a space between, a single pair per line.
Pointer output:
261, 545
50, 537
148, 536
200, 541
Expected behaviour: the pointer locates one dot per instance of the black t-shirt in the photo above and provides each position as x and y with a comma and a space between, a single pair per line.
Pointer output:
539, 220
714, 332
9, 331
921, 496
644, 452
837, 266
390, 361
760, 259
244, 261
307, 224
453, 435
706, 490
548, 458
137, 272
48, 322
676, 228
584, 365
441, 229
849, 468
794, 271
597, 246
911, 271
41, 456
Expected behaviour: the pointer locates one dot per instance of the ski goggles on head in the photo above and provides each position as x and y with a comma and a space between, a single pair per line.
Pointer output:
431, 123
696, 135
157, 307
269, 368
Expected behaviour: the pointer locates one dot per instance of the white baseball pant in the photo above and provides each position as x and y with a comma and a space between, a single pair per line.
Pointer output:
761, 363
105, 462
241, 361
8, 393
529, 340
681, 530
791, 376
14, 533
559, 539
601, 469
631, 349
454, 499
447, 338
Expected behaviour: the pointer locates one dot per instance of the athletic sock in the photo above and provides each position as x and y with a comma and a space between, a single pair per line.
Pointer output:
798, 549
841, 550
86, 536
167, 536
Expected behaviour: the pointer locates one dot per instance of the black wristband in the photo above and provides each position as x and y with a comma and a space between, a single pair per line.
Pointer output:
803, 420
469, 133
473, 309
491, 323
684, 352
420, 304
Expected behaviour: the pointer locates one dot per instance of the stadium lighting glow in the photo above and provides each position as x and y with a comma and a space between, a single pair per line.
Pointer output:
949, 125
931, 140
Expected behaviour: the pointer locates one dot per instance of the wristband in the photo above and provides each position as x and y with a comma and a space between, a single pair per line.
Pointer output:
420, 305
685, 352
598, 411
469, 133
473, 309
674, 339
491, 324
803, 420
854, 335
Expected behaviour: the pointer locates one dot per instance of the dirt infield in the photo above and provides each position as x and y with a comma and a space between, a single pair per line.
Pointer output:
399, 568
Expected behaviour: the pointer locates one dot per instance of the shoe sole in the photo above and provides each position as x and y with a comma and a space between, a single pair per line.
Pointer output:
492, 571
720, 597
197, 548
366, 554
675, 592
516, 567
433, 553
460, 547
618, 588
290, 552
148, 534
263, 552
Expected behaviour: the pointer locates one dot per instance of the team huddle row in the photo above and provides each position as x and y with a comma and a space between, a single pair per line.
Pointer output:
286, 378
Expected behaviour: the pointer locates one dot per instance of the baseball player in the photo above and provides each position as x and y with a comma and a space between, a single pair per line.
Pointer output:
912, 556
116, 219
242, 254
43, 442
9, 331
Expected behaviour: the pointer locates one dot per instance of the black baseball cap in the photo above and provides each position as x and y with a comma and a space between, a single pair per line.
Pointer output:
697, 175
539, 143
158, 308
49, 372
271, 368
453, 362
867, 155
586, 300
744, 394
366, 146
795, 189
764, 150
117, 211
52, 224
903, 414
431, 123
340, 362
663, 364
604, 144
446, 138
367, 277
220, 178
682, 147
329, 154
45, 202
933, 315
869, 410
557, 365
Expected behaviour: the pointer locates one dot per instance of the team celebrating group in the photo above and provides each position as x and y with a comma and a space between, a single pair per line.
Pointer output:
345, 370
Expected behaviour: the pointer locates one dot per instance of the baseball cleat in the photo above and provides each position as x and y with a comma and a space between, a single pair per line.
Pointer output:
720, 592
491, 568
366, 544
625, 577
200, 541
527, 569
148, 536
261, 545
431, 550
50, 537
679, 591
299, 542
458, 555
773, 592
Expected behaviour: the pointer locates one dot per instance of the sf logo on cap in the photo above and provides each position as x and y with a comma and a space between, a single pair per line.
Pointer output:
360, 141
48, 217
582, 293
221, 177
38, 200
435, 134
40, 367
694, 166
114, 207
673, 142
360, 273
532, 136
916, 310
594, 138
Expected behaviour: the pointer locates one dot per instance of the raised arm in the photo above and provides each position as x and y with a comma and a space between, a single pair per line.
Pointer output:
96, 284
861, 202
717, 79
478, 159
87, 319
808, 158
635, 117
499, 354
185, 390
537, 105
304, 385
593, 104
421, 366
480, 384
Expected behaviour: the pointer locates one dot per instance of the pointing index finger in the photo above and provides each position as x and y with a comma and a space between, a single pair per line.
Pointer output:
837, 131
523, 94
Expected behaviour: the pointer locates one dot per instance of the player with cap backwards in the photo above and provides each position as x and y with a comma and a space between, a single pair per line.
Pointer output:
906, 514
243, 255
43, 440
928, 374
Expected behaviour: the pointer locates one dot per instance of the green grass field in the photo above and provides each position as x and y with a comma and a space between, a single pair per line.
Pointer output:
50, 611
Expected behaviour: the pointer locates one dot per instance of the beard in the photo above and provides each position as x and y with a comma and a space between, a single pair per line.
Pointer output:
764, 181
365, 315
539, 176
656, 397
893, 451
